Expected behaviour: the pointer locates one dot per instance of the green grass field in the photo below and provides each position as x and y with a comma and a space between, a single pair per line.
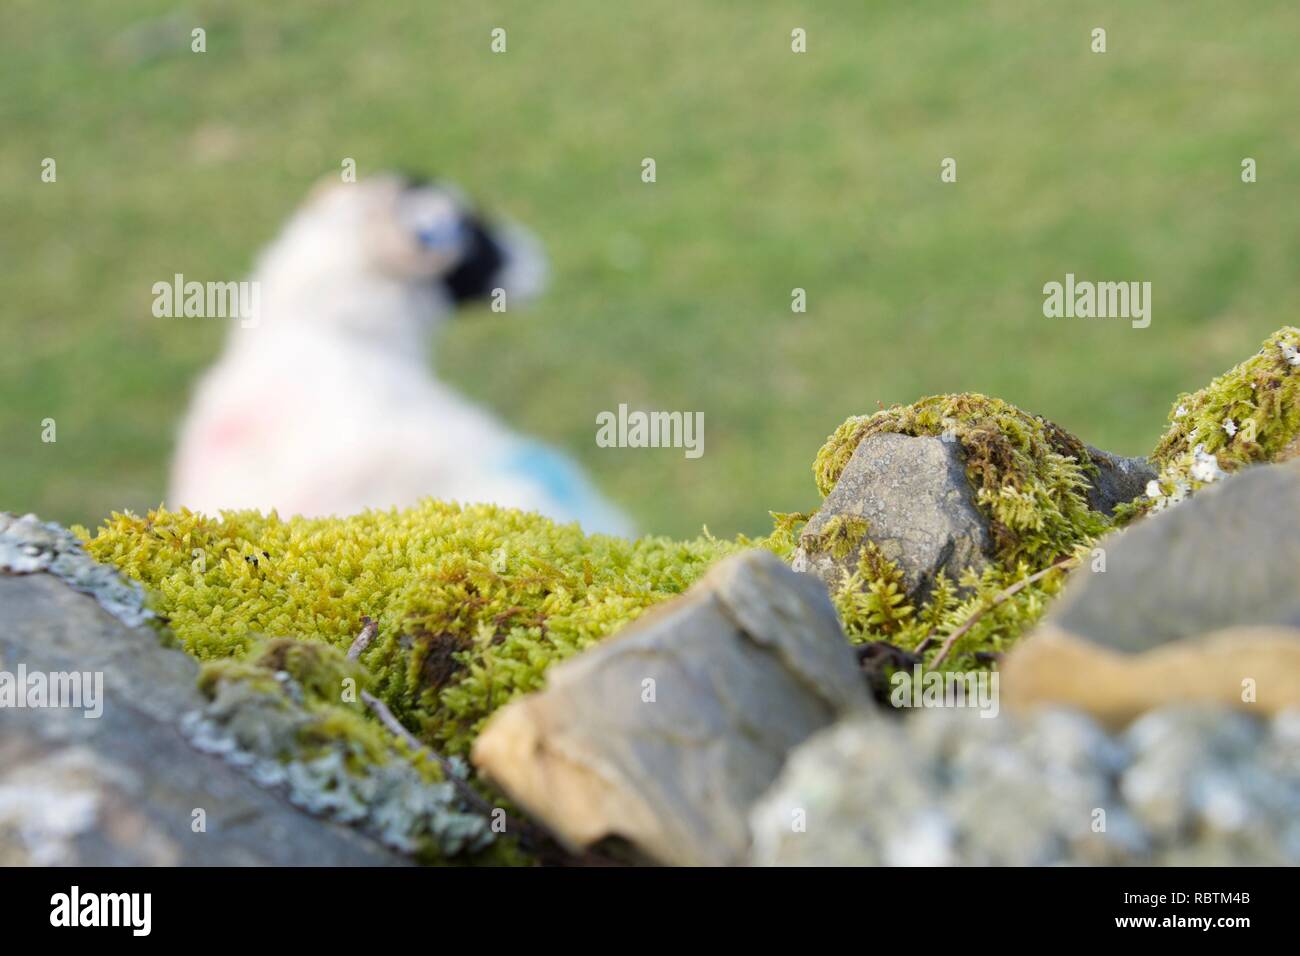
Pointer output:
775, 171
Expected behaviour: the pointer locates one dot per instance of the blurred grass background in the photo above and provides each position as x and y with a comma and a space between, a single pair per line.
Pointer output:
775, 171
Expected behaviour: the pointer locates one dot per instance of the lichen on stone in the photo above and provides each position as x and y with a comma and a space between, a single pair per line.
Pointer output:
29, 546
1182, 786
289, 715
1248, 415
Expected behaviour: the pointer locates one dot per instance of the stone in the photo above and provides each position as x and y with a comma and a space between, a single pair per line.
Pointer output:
659, 738
1118, 479
1213, 787
1184, 786
1198, 602
1253, 668
121, 789
1228, 556
910, 496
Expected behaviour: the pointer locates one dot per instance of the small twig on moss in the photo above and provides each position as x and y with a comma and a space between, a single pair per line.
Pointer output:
999, 598
368, 632
389, 720
529, 835
386, 717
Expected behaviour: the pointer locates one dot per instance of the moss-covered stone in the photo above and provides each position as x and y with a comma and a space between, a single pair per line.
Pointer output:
1031, 484
1030, 476
1248, 415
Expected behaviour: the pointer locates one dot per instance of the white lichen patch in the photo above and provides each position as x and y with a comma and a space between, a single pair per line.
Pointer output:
1205, 467
262, 733
30, 546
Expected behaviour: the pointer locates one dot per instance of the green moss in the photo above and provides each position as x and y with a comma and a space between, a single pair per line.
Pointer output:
321, 672
473, 603
1248, 415
785, 531
872, 606
873, 600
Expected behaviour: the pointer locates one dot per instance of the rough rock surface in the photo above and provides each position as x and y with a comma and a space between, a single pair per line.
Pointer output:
918, 508
121, 789
1228, 556
1118, 479
664, 735
1201, 601
1183, 786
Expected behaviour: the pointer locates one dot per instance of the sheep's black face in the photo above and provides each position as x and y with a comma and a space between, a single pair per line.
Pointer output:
477, 273
450, 228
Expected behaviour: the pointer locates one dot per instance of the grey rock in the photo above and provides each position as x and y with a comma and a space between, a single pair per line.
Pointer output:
664, 735
1119, 479
1229, 556
918, 506
1183, 786
121, 789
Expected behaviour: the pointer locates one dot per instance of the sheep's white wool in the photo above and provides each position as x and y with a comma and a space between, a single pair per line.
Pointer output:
327, 405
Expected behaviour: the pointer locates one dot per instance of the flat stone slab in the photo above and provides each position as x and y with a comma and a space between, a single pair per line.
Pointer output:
1229, 556
1197, 603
